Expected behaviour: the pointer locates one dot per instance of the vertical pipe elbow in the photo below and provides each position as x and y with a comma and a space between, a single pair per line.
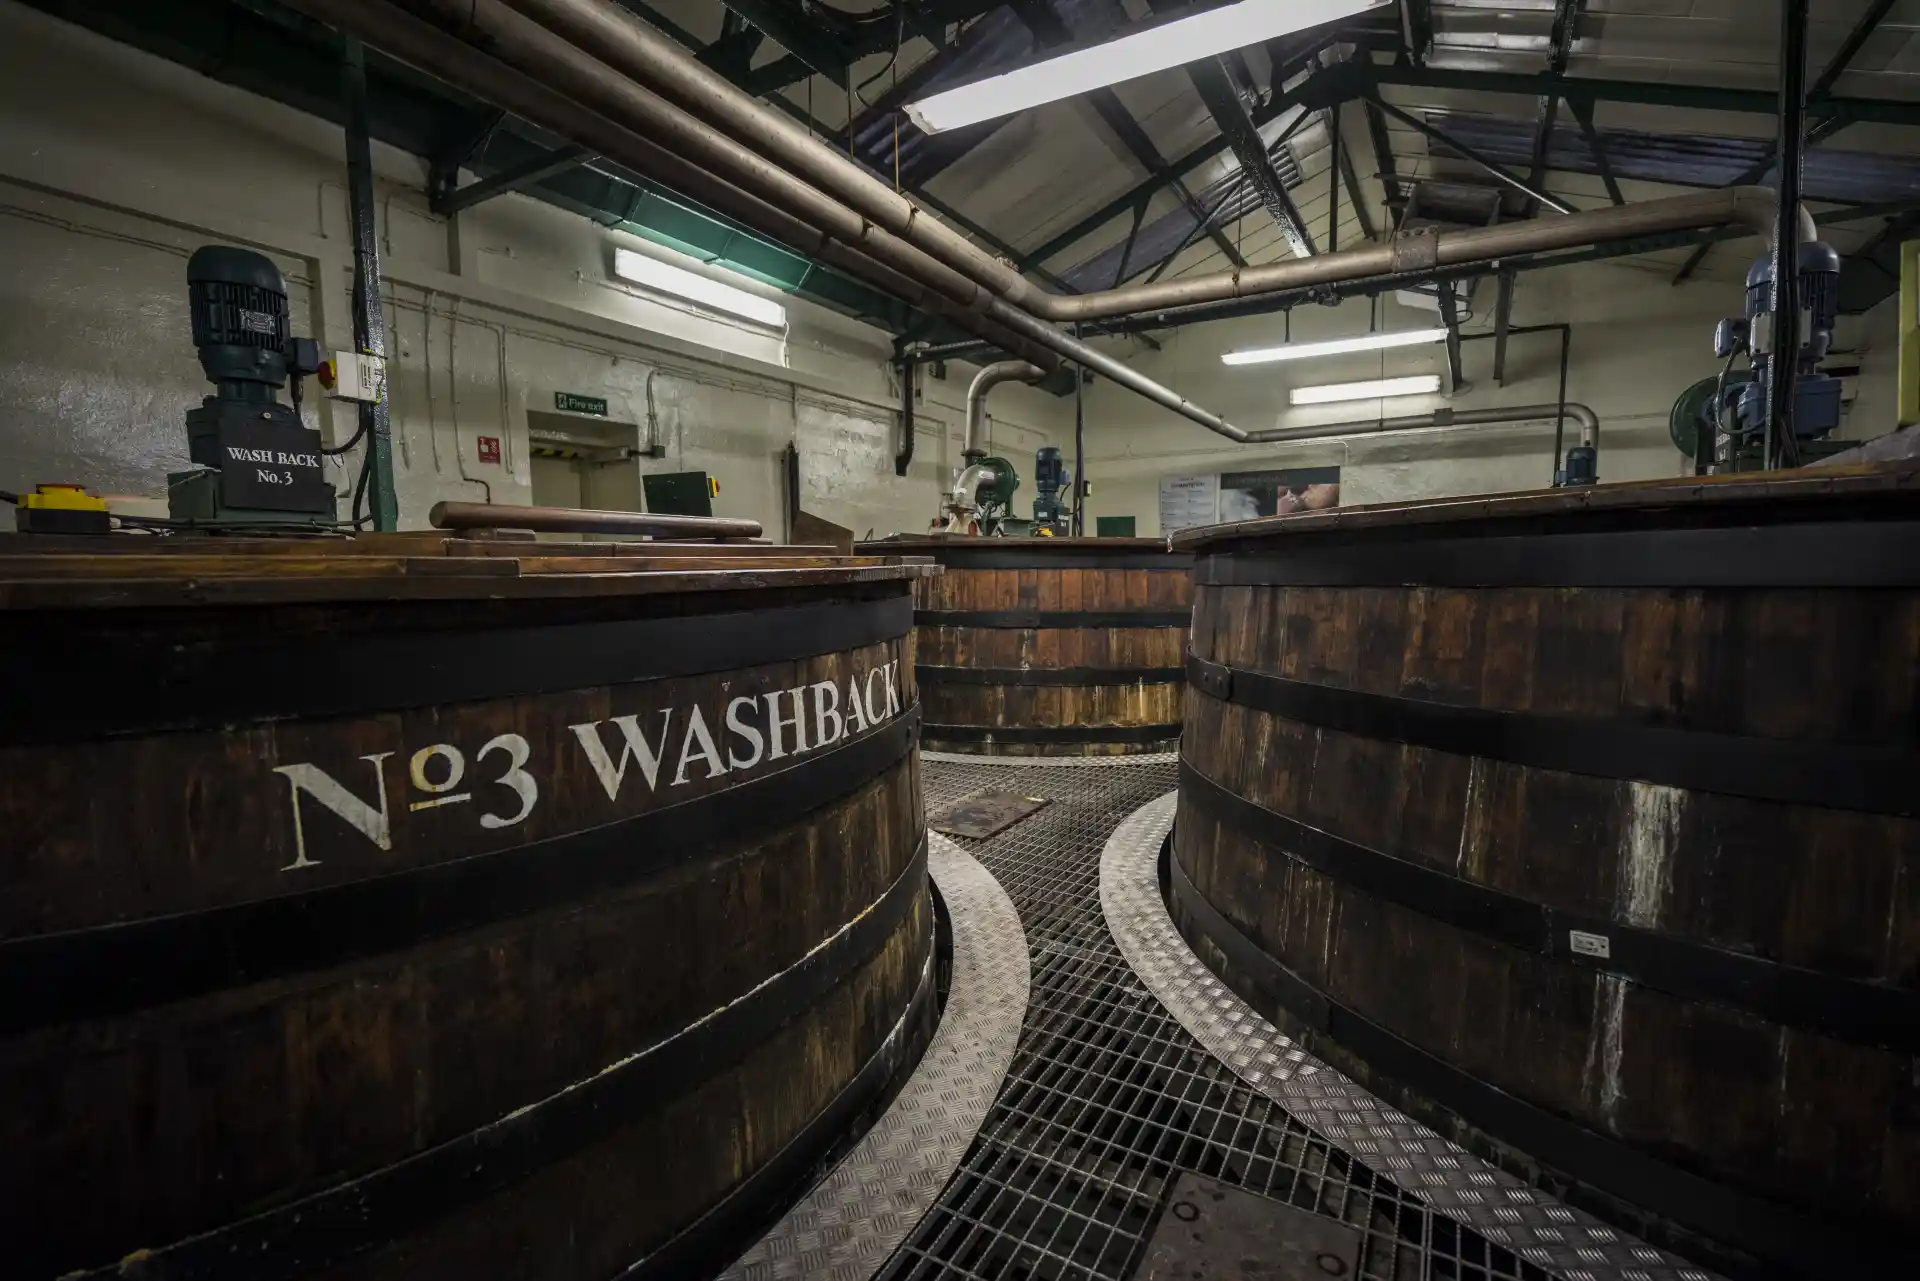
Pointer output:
1587, 421
1005, 371
1758, 209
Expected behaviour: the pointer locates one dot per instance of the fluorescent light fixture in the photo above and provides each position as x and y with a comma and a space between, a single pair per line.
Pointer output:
1374, 389
1334, 347
1170, 44
677, 282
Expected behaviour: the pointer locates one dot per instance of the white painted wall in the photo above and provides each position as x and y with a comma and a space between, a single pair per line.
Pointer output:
1638, 343
104, 194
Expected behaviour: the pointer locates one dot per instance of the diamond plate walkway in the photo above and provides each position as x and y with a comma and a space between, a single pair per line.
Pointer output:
1110, 1092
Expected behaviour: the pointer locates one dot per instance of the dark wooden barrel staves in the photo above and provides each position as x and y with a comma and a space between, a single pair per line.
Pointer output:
1582, 825
440, 915
1050, 646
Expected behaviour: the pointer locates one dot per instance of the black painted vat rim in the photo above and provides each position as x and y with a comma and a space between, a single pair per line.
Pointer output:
1041, 620
348, 1219
1835, 554
1052, 733
1803, 497
1864, 1013
929, 674
1793, 771
109, 970
1768, 1229
73, 690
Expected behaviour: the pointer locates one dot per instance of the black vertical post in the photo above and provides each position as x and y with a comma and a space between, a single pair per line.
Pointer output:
1784, 362
369, 317
1079, 444
1333, 181
904, 459
790, 484
1560, 419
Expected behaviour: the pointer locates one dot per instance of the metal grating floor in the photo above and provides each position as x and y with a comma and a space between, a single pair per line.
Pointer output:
1108, 1096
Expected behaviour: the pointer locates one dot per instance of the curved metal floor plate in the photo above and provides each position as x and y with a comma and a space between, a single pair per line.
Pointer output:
1030, 762
851, 1221
1452, 1180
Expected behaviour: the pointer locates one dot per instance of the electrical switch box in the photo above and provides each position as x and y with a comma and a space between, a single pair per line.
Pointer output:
355, 376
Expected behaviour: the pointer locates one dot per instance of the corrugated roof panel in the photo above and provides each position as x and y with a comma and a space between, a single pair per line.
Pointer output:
1693, 160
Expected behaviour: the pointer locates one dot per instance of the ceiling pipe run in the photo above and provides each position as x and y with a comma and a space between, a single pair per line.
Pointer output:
767, 199
628, 44
461, 64
607, 32
1005, 371
749, 177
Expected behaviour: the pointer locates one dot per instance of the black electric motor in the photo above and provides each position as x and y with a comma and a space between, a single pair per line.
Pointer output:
1049, 479
255, 463
1735, 419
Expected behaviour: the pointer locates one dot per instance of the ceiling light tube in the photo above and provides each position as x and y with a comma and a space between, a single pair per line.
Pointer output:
1333, 347
1373, 389
689, 286
1170, 44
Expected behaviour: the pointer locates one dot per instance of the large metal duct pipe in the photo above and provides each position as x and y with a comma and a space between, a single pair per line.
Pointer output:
630, 45
1582, 417
1106, 366
627, 43
767, 199
722, 173
424, 45
1749, 207
1005, 371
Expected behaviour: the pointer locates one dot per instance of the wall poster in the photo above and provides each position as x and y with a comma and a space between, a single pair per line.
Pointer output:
1245, 495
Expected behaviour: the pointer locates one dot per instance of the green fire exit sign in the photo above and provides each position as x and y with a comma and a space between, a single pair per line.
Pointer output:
567, 402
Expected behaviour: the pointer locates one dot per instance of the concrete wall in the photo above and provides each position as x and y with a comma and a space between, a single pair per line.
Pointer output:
1638, 343
104, 193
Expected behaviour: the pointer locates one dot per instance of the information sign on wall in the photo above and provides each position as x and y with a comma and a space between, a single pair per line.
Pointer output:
1187, 502
568, 402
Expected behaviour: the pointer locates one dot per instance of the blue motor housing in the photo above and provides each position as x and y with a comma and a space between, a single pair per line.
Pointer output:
1816, 401
1049, 480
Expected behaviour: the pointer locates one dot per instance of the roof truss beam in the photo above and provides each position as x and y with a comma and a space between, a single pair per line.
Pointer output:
1332, 85
1049, 28
1583, 113
519, 177
1850, 48
1566, 22
1416, 30
1216, 88
1355, 195
1496, 171
1127, 131
788, 28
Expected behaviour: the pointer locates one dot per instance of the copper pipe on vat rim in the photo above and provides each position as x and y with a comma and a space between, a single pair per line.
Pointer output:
581, 520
